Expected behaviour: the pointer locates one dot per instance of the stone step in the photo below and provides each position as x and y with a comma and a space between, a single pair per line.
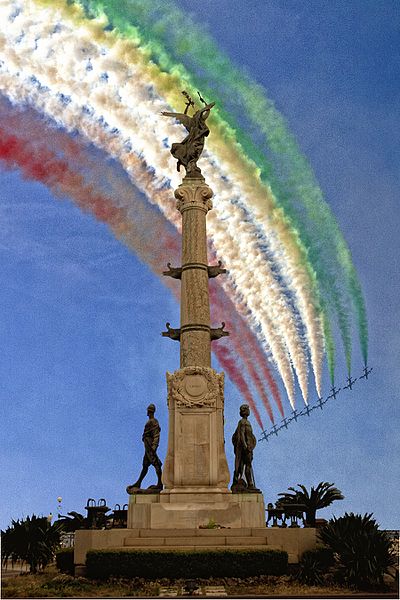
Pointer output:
247, 541
293, 558
196, 532
196, 541
144, 542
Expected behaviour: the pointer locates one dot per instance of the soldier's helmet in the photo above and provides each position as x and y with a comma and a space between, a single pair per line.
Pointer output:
151, 408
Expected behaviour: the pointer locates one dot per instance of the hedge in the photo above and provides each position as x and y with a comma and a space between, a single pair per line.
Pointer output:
65, 560
177, 564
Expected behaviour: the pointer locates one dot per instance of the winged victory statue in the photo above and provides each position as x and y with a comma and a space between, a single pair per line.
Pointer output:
189, 150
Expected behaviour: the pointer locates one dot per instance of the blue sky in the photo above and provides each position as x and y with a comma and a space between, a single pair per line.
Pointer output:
81, 317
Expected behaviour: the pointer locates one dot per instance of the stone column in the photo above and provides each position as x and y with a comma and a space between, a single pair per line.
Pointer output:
194, 202
195, 467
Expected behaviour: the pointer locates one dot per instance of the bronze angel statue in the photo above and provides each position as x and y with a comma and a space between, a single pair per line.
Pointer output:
189, 150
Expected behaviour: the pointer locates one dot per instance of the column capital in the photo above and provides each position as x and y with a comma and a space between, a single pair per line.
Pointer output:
193, 193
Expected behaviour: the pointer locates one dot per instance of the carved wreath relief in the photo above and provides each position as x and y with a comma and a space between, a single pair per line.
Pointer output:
195, 386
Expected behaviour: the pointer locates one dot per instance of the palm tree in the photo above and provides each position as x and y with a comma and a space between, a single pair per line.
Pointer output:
320, 497
72, 521
33, 541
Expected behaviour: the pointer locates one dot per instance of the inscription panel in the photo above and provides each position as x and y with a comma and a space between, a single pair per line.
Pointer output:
194, 449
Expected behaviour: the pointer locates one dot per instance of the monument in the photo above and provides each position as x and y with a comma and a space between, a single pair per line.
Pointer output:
192, 506
195, 474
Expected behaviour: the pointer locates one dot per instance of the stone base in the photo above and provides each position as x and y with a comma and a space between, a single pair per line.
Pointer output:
188, 508
294, 541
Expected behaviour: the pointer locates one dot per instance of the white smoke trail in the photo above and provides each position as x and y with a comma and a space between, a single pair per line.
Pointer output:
163, 198
67, 67
269, 335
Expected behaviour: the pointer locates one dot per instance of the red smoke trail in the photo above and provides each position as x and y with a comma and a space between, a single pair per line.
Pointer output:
243, 342
236, 376
247, 337
41, 152
42, 165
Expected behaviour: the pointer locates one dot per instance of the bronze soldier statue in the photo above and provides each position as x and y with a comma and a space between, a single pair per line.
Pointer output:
151, 439
189, 150
244, 442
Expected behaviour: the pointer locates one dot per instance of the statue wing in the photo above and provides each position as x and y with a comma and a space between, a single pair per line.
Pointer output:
184, 119
181, 117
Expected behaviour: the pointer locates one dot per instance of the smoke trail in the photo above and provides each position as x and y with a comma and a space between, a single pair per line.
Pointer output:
255, 350
139, 233
330, 349
167, 209
164, 30
228, 364
62, 110
246, 345
278, 322
305, 290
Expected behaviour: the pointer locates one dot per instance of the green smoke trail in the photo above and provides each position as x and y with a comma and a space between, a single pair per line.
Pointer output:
329, 345
164, 25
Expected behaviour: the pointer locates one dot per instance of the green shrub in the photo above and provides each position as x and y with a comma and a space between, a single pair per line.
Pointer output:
363, 553
152, 564
313, 566
65, 560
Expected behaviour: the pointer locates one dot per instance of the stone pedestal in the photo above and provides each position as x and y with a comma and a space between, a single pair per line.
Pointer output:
195, 474
195, 462
193, 509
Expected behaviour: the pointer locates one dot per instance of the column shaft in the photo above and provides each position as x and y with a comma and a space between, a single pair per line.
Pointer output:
194, 203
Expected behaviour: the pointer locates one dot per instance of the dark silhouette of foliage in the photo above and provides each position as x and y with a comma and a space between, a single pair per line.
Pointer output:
33, 540
363, 553
65, 560
72, 521
314, 565
185, 564
320, 497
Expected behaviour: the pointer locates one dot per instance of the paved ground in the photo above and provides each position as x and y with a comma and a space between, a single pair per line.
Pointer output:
213, 591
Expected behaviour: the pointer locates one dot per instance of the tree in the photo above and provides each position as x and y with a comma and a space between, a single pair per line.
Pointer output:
320, 497
363, 553
33, 540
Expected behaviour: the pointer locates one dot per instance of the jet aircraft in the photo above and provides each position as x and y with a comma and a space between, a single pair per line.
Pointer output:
350, 383
334, 393
366, 372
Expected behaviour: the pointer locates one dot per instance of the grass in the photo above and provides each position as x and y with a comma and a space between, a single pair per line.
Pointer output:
52, 584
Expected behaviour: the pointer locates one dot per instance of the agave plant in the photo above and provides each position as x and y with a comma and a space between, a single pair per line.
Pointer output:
320, 497
363, 553
33, 541
314, 566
